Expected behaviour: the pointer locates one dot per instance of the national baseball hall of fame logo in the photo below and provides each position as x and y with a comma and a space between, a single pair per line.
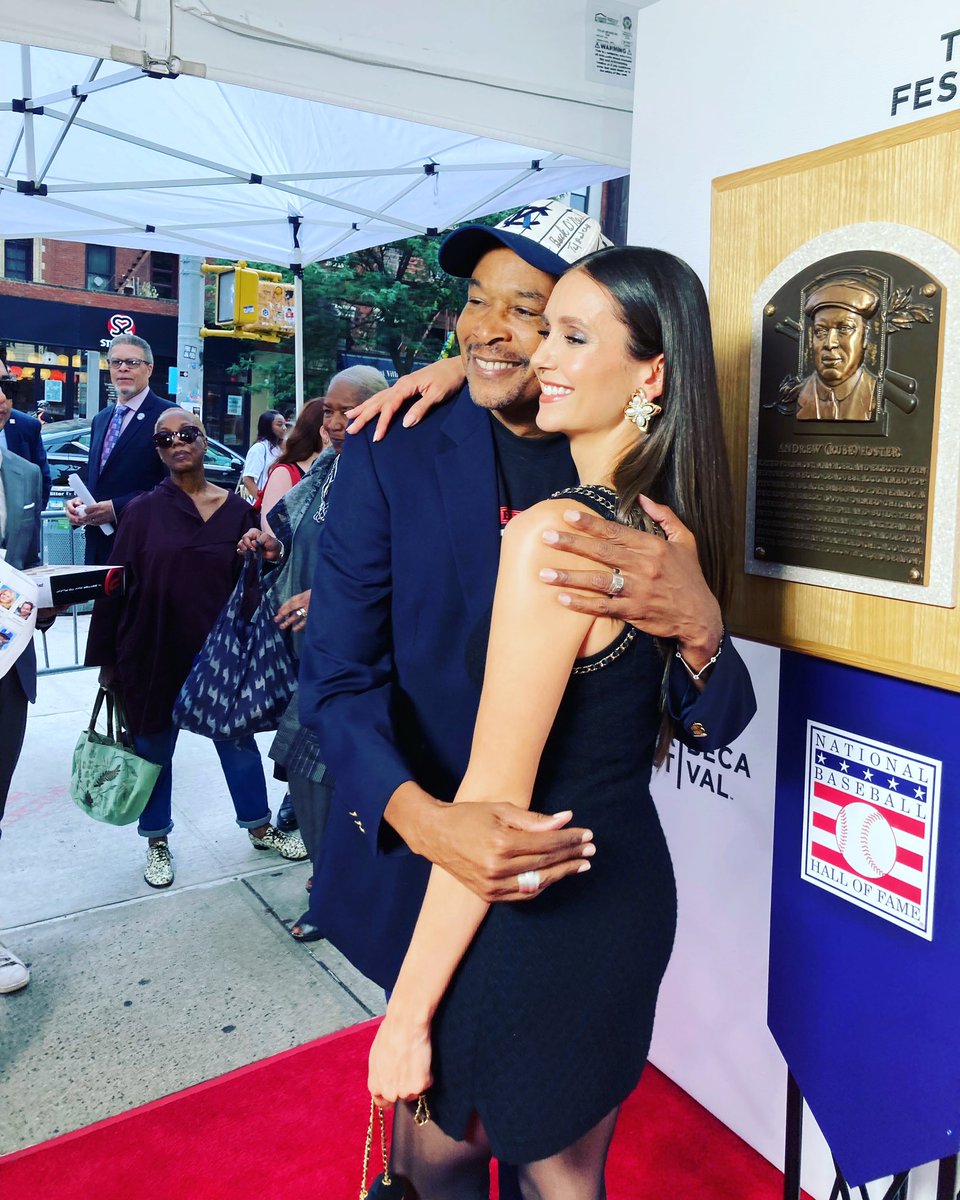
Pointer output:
870, 825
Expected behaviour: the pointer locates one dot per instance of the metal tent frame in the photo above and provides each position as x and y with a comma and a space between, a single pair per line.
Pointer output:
92, 153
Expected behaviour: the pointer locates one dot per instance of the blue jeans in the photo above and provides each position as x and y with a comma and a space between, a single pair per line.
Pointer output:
242, 769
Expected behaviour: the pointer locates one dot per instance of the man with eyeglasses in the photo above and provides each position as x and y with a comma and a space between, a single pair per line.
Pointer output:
123, 462
19, 432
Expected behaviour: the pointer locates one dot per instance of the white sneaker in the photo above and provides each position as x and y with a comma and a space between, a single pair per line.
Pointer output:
13, 974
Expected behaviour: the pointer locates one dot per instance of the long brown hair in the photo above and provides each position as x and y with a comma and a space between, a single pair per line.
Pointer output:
304, 438
682, 462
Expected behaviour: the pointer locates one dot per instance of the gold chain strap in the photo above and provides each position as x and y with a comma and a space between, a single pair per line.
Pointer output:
374, 1113
421, 1117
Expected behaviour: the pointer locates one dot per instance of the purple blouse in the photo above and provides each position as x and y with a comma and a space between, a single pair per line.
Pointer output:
180, 571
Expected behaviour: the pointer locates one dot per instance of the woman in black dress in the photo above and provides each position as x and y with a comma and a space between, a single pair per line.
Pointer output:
527, 1025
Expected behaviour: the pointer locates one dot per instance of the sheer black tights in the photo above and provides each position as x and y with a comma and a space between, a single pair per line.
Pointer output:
435, 1166
438, 1167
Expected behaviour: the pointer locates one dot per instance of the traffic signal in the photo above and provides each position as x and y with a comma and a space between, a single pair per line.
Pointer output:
251, 304
237, 296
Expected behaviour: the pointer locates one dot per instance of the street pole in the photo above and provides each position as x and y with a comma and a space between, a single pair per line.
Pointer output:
93, 384
189, 392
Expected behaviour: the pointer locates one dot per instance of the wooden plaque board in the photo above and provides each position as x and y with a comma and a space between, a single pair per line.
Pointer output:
759, 217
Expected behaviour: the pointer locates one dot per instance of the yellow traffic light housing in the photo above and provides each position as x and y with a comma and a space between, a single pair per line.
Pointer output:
237, 296
251, 304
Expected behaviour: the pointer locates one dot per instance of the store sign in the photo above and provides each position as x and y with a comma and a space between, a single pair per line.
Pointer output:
119, 324
870, 825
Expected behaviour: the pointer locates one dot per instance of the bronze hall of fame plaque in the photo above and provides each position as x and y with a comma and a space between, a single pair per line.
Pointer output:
845, 411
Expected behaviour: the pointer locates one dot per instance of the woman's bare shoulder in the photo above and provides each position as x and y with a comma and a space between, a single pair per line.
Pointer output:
544, 515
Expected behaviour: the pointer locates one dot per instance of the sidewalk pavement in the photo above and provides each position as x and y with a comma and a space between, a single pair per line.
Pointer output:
136, 993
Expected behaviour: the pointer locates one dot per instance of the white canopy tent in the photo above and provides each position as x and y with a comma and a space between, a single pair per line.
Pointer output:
91, 151
517, 72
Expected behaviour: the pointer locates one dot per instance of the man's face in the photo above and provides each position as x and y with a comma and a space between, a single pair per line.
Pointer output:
6, 395
839, 340
499, 329
129, 380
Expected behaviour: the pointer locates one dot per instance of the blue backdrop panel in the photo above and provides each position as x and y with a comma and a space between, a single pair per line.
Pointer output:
865, 1012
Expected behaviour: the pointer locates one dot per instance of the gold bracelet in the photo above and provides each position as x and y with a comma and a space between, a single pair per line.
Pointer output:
695, 675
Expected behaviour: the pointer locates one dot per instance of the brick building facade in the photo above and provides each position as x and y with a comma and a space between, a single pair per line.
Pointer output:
62, 301
59, 301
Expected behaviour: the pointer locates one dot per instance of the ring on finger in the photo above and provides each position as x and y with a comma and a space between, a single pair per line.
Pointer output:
301, 613
616, 583
528, 882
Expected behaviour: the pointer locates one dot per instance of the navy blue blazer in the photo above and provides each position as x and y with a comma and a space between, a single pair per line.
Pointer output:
408, 565
133, 468
23, 438
390, 676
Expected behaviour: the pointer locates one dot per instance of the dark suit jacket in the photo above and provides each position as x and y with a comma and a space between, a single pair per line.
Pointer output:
133, 468
390, 678
23, 438
408, 565
23, 494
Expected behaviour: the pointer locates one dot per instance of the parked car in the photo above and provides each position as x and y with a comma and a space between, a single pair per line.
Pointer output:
67, 444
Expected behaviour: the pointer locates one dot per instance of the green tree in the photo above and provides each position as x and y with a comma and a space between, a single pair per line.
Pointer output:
391, 300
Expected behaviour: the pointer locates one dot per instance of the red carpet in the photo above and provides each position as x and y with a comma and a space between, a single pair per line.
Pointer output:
292, 1127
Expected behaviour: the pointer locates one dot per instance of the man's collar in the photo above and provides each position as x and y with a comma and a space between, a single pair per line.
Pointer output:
135, 401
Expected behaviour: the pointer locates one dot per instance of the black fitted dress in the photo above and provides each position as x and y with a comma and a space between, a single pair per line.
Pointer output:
546, 1025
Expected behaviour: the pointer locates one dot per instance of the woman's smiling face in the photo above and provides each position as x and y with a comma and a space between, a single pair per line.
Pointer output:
584, 365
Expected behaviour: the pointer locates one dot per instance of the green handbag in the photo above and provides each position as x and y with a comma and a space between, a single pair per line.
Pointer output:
109, 781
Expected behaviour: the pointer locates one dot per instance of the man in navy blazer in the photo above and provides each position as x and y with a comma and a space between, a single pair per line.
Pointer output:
123, 461
20, 432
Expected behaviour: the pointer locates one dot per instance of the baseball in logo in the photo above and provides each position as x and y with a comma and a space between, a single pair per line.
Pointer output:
870, 825
119, 324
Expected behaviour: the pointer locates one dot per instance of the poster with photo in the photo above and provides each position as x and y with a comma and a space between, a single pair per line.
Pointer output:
18, 614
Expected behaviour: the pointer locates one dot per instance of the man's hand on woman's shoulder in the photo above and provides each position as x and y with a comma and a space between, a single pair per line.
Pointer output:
434, 384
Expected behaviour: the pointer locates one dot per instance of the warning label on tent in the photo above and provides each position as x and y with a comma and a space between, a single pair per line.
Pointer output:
611, 38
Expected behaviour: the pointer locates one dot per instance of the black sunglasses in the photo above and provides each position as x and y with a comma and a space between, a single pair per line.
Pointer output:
187, 434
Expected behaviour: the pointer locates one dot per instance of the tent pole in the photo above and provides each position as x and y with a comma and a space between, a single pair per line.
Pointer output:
298, 335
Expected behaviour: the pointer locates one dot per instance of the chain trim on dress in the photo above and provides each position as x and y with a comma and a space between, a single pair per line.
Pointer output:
611, 655
600, 495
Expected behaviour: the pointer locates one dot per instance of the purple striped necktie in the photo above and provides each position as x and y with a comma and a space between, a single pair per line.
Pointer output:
113, 433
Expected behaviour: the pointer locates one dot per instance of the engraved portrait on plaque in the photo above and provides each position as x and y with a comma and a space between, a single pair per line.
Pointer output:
840, 387
846, 419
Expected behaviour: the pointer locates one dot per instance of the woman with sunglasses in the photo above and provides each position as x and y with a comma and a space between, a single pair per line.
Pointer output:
178, 547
